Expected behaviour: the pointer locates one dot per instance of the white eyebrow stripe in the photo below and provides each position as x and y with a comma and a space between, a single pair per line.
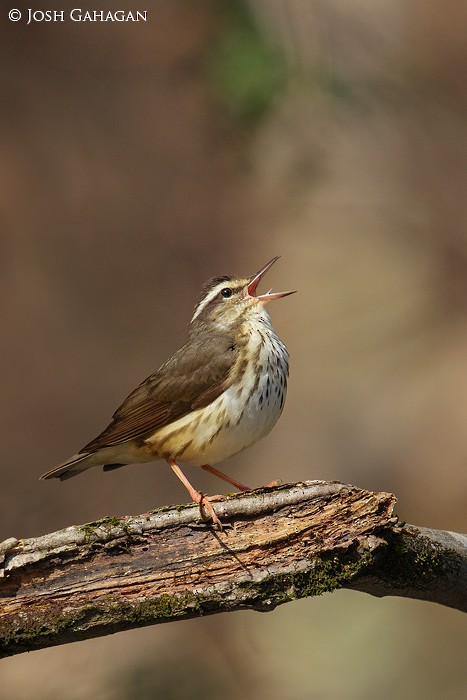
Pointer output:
208, 298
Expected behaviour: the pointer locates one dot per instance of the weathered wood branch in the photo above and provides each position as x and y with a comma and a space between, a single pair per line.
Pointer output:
284, 543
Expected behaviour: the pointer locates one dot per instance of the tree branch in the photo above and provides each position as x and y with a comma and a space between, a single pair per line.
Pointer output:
283, 543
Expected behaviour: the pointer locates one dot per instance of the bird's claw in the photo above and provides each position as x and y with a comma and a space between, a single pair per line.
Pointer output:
205, 505
273, 484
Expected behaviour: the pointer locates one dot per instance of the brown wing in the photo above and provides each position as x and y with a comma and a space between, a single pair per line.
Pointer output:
195, 376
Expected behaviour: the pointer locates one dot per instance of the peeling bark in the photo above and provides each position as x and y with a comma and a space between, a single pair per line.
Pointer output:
279, 544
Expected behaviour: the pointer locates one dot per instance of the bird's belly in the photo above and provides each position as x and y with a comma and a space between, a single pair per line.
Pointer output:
234, 421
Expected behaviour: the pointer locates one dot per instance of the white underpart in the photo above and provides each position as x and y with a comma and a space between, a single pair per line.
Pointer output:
249, 414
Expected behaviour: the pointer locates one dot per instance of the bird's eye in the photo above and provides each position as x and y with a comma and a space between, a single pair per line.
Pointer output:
226, 292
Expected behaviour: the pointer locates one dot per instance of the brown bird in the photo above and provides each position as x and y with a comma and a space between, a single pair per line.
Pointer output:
217, 395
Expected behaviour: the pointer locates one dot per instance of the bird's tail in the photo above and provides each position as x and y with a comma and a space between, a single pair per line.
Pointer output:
73, 466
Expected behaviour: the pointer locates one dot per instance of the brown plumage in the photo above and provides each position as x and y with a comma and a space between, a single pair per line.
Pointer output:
178, 387
207, 402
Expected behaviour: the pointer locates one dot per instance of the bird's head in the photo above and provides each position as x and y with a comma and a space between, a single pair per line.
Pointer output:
226, 301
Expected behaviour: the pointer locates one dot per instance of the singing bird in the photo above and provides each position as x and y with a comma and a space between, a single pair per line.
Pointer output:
217, 395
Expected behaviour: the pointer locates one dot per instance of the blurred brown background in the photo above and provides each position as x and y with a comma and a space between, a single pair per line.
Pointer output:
137, 160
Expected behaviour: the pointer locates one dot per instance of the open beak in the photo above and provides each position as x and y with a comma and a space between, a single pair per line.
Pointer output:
255, 280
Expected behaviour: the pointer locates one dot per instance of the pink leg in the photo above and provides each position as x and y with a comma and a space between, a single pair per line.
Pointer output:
224, 477
195, 495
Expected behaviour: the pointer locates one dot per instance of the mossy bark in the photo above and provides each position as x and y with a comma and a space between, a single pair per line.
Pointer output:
278, 545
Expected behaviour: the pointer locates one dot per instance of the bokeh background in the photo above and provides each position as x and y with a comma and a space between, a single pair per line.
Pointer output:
137, 160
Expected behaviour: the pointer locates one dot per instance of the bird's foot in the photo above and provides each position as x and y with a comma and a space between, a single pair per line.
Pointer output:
203, 501
205, 506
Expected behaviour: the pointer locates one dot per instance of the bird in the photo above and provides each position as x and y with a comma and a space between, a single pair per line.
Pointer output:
220, 393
